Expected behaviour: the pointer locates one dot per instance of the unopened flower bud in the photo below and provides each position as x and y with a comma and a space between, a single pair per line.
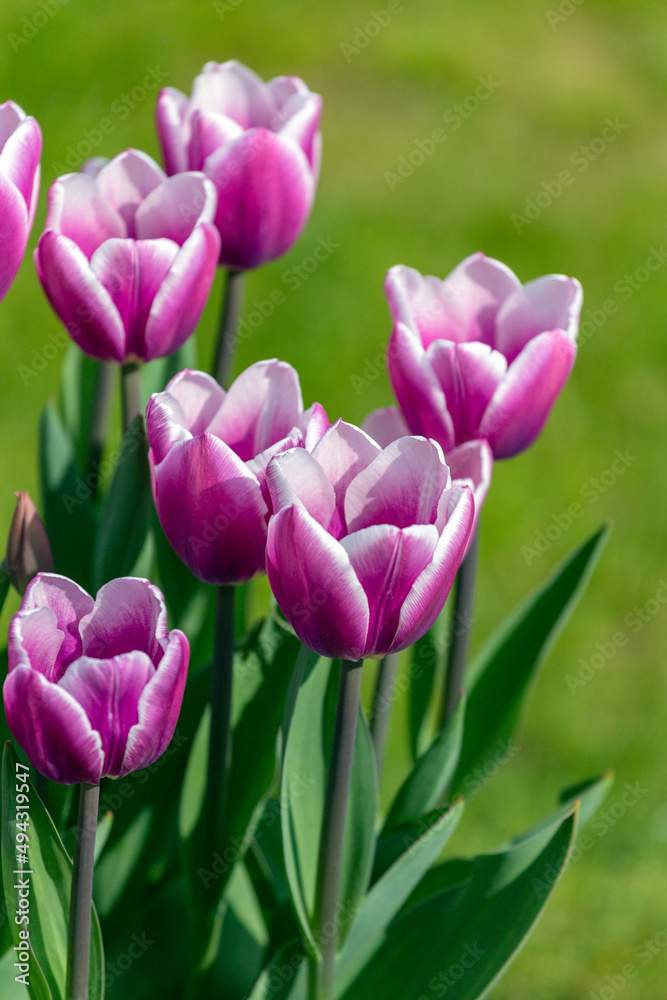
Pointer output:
28, 548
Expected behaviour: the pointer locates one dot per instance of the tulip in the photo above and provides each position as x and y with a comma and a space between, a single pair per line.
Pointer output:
209, 450
479, 355
20, 150
364, 542
259, 143
128, 257
470, 463
28, 547
94, 687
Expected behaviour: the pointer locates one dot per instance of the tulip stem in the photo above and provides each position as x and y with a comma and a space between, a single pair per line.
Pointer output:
99, 420
460, 628
229, 321
81, 899
219, 748
381, 713
130, 388
333, 827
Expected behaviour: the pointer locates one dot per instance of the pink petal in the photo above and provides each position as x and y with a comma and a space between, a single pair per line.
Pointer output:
34, 640
129, 615
429, 592
343, 451
185, 409
417, 389
211, 509
469, 374
52, 728
387, 560
126, 180
315, 586
259, 464
296, 477
313, 423
265, 192
261, 407
208, 133
549, 303
385, 425
174, 208
108, 690
170, 113
79, 210
471, 464
402, 486
11, 116
234, 90
181, 298
79, 298
299, 120
14, 230
69, 603
522, 402
159, 706
19, 157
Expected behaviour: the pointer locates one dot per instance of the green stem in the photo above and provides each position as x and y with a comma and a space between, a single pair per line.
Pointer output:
97, 433
333, 826
219, 750
229, 321
130, 389
460, 628
382, 702
81, 899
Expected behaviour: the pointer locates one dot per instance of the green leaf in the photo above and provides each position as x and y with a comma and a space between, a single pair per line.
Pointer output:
391, 891
4, 584
425, 662
477, 926
508, 664
49, 881
304, 780
589, 794
425, 786
126, 510
81, 381
68, 511
156, 374
284, 974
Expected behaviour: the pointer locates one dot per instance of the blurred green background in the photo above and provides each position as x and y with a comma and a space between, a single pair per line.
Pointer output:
558, 71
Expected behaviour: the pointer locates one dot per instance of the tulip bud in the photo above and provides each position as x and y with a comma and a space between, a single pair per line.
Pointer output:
28, 547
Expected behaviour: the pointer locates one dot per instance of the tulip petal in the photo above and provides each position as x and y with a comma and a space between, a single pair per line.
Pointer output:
170, 113
233, 90
34, 640
129, 614
428, 594
552, 302
313, 423
211, 510
385, 425
126, 180
182, 295
417, 389
79, 298
299, 120
387, 560
208, 132
471, 464
258, 465
343, 451
265, 192
13, 233
261, 407
79, 210
174, 208
69, 603
52, 728
522, 402
401, 486
296, 477
159, 706
108, 690
185, 409
315, 586
469, 374
19, 157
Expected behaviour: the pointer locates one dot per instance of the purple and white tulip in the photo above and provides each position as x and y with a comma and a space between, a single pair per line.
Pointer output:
479, 355
364, 542
20, 150
209, 450
128, 257
470, 463
259, 143
94, 687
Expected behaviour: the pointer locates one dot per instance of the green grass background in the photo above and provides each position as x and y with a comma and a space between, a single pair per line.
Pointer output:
559, 79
